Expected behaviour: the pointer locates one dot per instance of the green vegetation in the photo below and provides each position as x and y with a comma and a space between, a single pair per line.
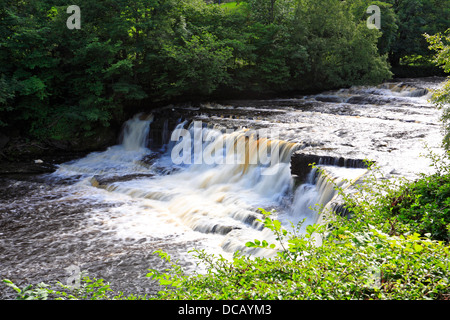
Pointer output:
414, 19
62, 84
383, 251
440, 44
423, 206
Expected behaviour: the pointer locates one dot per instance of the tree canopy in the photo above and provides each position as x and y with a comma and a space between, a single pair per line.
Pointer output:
440, 44
58, 83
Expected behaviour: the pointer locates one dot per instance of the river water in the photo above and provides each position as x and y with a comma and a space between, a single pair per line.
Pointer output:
202, 184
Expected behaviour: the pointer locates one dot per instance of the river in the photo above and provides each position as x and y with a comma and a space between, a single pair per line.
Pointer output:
194, 176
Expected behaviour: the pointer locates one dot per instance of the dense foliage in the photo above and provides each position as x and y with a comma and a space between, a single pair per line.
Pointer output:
414, 18
424, 206
360, 265
440, 43
62, 83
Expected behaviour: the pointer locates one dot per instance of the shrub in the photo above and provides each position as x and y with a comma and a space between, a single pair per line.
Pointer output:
425, 206
368, 264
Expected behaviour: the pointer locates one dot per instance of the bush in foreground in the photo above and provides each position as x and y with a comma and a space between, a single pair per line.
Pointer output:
348, 265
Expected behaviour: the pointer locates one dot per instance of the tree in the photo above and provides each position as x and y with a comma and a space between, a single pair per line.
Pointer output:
389, 21
341, 50
60, 83
199, 65
416, 17
440, 43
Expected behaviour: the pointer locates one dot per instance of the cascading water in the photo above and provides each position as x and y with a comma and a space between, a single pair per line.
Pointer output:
134, 135
220, 179
311, 198
108, 212
120, 159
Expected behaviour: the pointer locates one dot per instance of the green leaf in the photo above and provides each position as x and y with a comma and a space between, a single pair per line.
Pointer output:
250, 244
9, 283
418, 247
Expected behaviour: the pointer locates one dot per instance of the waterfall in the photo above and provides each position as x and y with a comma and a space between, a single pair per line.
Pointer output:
219, 178
223, 180
109, 211
119, 159
134, 135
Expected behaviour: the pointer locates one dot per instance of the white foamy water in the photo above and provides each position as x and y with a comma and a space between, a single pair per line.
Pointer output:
216, 202
221, 177
109, 211
116, 160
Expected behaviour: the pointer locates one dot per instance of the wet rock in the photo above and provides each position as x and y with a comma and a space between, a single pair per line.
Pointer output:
3, 140
8, 168
102, 182
58, 144
367, 99
301, 163
329, 98
218, 229
418, 93
340, 209
357, 100
104, 137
